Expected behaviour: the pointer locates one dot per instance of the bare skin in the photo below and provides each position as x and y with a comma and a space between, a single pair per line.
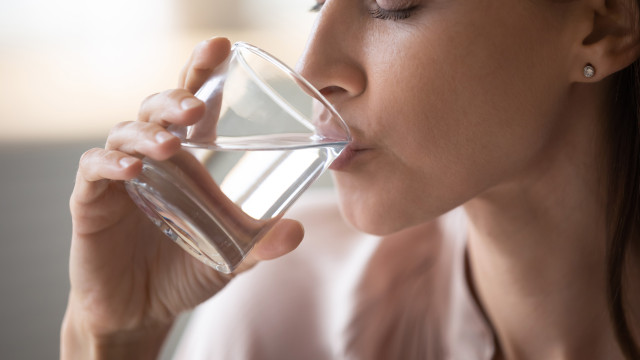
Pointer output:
480, 104
514, 132
536, 249
128, 283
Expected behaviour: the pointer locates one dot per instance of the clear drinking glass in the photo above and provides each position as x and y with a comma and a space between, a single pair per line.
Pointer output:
266, 136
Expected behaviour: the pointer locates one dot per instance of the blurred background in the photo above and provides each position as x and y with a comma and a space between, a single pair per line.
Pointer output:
69, 71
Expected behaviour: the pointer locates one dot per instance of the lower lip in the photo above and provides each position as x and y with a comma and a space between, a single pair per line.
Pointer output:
347, 157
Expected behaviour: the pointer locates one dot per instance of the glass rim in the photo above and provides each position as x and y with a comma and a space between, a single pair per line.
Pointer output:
283, 67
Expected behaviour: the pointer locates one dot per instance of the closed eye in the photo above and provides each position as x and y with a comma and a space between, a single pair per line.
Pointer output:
395, 15
379, 13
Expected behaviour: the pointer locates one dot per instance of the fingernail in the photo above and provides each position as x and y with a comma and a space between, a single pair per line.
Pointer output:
163, 136
190, 103
125, 162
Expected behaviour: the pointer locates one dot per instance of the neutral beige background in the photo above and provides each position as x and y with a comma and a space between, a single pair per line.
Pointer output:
69, 70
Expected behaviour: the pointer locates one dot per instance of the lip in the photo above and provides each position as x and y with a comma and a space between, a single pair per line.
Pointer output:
347, 157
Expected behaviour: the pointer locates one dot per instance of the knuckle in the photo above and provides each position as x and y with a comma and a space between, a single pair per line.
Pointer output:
149, 98
200, 46
117, 128
157, 104
178, 94
87, 157
145, 104
200, 63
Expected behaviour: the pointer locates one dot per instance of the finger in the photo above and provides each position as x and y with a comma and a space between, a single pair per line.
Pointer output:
176, 106
97, 164
97, 167
284, 237
140, 138
205, 58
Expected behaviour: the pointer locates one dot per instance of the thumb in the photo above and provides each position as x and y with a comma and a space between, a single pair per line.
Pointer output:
283, 238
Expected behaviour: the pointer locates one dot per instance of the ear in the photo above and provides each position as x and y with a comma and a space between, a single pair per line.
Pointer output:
613, 42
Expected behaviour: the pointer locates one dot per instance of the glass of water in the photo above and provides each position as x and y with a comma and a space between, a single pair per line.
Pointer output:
266, 136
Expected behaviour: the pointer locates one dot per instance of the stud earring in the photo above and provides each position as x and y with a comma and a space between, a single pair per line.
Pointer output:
589, 71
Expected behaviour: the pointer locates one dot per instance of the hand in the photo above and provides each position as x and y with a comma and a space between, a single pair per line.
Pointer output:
128, 280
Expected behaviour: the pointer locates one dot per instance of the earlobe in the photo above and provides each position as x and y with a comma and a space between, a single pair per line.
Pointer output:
613, 42
589, 71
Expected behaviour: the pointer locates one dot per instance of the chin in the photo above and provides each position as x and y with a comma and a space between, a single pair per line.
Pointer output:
377, 215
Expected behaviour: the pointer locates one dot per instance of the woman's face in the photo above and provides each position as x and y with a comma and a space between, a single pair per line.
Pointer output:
445, 98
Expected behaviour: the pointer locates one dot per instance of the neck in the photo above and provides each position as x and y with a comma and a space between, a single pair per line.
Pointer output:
537, 247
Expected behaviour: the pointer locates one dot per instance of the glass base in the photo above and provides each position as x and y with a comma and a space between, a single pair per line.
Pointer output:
182, 212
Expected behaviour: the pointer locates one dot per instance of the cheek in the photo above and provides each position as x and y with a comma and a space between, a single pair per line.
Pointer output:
457, 115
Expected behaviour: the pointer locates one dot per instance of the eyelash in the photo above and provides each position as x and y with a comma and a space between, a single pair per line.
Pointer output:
379, 13
317, 7
394, 15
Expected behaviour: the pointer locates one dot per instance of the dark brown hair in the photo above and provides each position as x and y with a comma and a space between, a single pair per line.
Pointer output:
624, 200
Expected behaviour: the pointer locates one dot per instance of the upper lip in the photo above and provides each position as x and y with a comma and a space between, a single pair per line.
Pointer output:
356, 143
356, 133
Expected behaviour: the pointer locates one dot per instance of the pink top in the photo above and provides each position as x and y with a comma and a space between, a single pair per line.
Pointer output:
347, 295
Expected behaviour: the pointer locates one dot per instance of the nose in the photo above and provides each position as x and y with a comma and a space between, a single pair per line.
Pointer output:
330, 60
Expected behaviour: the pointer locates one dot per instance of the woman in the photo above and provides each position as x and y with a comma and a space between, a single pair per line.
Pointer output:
495, 149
